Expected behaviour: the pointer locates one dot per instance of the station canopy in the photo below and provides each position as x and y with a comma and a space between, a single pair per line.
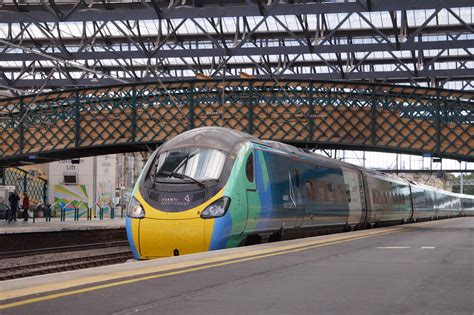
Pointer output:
56, 44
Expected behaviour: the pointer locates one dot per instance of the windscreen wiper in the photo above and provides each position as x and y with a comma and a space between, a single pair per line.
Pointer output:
180, 176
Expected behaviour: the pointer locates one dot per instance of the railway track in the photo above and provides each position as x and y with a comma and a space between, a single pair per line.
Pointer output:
40, 268
52, 250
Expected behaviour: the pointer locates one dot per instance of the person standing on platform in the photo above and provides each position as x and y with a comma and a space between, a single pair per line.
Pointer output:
26, 206
14, 199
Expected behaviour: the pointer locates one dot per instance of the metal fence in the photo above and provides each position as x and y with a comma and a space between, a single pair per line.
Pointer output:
35, 187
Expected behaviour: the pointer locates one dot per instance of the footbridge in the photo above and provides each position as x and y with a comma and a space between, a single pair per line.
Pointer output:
84, 122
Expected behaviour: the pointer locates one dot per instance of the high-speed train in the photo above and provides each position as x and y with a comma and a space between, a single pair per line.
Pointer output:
213, 188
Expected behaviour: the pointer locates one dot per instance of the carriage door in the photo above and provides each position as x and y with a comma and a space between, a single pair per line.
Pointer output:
364, 207
253, 202
297, 196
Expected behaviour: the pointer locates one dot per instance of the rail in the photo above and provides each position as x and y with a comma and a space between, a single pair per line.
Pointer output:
27, 270
59, 249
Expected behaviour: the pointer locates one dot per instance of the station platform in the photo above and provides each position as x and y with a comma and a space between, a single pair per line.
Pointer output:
56, 225
422, 268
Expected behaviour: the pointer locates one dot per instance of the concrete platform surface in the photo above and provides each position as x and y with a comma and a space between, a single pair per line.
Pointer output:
56, 225
423, 268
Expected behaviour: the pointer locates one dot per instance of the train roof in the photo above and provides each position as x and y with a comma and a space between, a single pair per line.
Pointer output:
220, 138
226, 139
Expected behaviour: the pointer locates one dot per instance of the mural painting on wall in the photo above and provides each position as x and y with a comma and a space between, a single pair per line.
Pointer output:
72, 194
104, 198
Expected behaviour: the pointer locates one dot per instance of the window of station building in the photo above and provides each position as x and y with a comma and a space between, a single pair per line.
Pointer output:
249, 168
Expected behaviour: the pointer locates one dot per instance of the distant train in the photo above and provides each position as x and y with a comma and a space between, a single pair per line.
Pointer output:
213, 188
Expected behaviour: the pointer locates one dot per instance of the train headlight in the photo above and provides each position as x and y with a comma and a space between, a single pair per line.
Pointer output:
135, 209
216, 209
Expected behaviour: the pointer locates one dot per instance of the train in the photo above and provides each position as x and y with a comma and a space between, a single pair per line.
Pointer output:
213, 188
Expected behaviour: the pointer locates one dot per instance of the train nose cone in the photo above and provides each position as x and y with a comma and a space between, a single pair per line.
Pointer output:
162, 238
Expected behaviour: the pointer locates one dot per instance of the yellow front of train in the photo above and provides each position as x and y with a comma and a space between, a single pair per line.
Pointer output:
180, 195
157, 233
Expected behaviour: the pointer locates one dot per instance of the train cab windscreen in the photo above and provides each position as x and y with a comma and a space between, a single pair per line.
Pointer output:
190, 164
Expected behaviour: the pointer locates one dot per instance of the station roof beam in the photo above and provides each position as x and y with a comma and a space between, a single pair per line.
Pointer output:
426, 43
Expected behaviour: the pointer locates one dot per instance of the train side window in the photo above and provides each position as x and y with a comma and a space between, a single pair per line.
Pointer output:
331, 194
322, 191
311, 189
375, 195
249, 168
348, 192
297, 178
330, 188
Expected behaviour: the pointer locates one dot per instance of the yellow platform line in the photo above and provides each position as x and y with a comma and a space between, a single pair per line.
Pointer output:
188, 266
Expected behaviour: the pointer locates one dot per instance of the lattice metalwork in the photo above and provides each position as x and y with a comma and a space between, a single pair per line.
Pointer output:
35, 187
74, 43
323, 114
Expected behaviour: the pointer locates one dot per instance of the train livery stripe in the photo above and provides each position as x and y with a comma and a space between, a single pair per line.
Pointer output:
131, 227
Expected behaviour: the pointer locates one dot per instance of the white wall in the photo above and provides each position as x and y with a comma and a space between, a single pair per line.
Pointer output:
103, 176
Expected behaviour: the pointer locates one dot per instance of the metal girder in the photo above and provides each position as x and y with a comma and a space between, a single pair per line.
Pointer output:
243, 65
251, 51
71, 42
241, 51
97, 11
388, 77
183, 38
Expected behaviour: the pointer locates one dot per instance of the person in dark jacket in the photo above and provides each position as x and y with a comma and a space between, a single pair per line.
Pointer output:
26, 206
14, 199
